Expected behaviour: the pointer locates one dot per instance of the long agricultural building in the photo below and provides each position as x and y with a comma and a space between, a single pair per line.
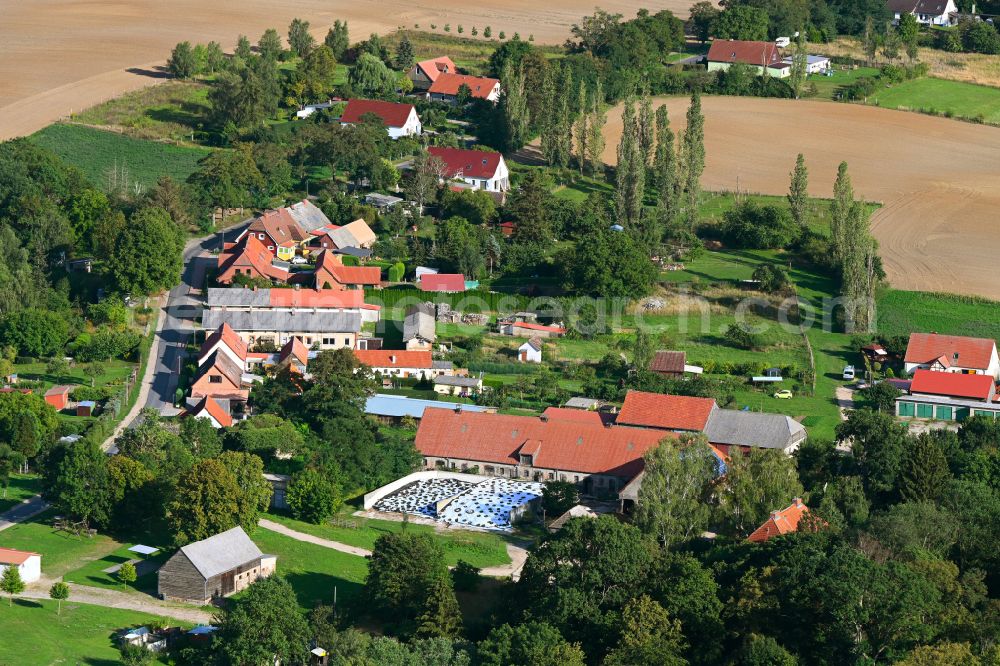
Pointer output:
325, 329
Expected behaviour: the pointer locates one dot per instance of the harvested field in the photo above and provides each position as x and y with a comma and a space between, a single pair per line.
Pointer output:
61, 56
938, 179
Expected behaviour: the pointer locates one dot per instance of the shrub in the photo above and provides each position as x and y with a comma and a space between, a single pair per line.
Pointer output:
396, 272
465, 577
750, 225
742, 337
313, 497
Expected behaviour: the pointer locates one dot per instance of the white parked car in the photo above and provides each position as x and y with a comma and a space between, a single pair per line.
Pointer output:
298, 260
849, 373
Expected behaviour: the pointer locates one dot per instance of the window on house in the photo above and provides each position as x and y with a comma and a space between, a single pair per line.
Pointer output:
576, 479
215, 379
260, 236
347, 342
270, 247
525, 460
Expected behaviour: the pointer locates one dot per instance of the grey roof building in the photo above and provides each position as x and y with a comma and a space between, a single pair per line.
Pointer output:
582, 403
284, 322
728, 427
218, 297
308, 215
214, 567
419, 326
455, 380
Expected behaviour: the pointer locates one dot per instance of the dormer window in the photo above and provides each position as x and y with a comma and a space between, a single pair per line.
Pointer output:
526, 459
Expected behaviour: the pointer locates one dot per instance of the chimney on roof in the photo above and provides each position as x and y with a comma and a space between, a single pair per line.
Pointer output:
797, 501
392, 359
296, 287
543, 418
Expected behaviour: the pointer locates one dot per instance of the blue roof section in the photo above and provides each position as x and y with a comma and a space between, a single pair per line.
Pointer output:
382, 404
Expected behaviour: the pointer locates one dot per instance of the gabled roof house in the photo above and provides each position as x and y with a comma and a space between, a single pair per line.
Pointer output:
952, 353
218, 566
251, 258
478, 169
331, 273
928, 12
446, 87
426, 72
419, 327
780, 522
399, 119
226, 340
723, 53
665, 412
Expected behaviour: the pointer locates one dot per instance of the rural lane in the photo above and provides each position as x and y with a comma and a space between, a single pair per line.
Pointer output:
518, 554
98, 596
23, 511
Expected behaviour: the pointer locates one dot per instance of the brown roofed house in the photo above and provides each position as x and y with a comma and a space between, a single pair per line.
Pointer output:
220, 377
668, 363
331, 273
426, 72
251, 258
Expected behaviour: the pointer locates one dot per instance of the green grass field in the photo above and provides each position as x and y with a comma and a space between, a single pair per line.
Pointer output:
477, 548
33, 633
903, 312
97, 153
60, 551
827, 86
940, 96
22, 486
92, 573
314, 571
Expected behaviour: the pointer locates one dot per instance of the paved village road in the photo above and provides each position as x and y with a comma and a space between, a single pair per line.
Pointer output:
22, 511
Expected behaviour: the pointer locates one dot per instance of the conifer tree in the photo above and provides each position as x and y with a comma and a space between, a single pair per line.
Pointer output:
404, 54
665, 168
441, 615
694, 157
797, 191
598, 118
800, 61
925, 472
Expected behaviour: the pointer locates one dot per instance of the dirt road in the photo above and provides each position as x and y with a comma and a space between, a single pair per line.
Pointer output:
939, 179
61, 56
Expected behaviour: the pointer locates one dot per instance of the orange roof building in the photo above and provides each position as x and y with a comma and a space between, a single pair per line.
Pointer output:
228, 340
251, 258
331, 273
952, 353
665, 412
426, 72
446, 87
210, 409
780, 522
534, 447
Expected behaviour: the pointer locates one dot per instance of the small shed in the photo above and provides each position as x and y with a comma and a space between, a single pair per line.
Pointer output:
530, 351
58, 396
85, 408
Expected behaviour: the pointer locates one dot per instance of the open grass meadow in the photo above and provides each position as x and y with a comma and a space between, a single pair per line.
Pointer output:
903, 312
942, 97
33, 633
21, 488
479, 549
99, 153
60, 551
93, 572
171, 110
314, 571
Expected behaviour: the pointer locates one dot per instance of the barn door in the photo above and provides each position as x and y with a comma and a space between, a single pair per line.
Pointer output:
228, 583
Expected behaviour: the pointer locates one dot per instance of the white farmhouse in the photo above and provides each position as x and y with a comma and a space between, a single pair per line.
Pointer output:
478, 169
928, 12
399, 119
29, 565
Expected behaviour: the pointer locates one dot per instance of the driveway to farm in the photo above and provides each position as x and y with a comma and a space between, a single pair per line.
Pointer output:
23, 511
938, 179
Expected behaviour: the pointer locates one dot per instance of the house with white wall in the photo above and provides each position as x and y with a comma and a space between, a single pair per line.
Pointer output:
952, 353
399, 119
927, 12
28, 564
480, 170
530, 351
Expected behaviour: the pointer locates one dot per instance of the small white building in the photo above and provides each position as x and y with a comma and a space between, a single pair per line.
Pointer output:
928, 12
530, 351
29, 565
815, 64
310, 109
478, 169
457, 385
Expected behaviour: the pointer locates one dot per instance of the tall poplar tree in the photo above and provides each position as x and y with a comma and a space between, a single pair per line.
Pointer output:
646, 130
694, 157
630, 173
840, 209
549, 131
564, 137
596, 121
797, 191
514, 107
665, 168
581, 128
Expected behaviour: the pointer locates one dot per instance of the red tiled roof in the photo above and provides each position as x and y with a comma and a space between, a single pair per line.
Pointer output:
448, 84
442, 282
16, 557
751, 53
226, 366
228, 337
971, 352
780, 522
249, 252
538, 327
555, 444
953, 384
436, 66
573, 415
668, 361
467, 163
317, 298
669, 412
214, 410
392, 114
295, 348
333, 265
280, 226
394, 358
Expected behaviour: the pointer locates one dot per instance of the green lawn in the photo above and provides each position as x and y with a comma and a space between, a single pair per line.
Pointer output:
22, 487
60, 551
92, 573
83, 634
940, 96
314, 571
115, 372
903, 312
97, 153
827, 86
479, 549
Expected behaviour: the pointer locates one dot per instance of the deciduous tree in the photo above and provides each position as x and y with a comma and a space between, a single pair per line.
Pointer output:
299, 39
264, 625
672, 503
